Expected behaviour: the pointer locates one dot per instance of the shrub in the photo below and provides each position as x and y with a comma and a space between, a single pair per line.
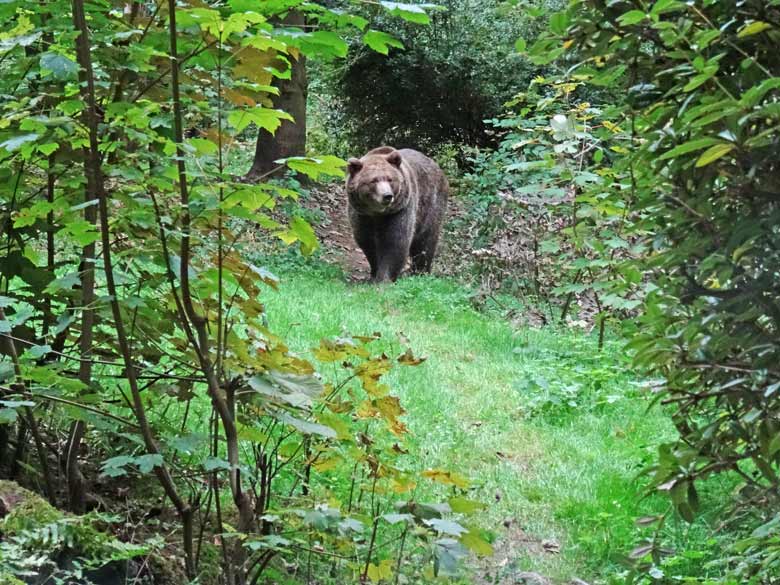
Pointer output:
701, 81
448, 78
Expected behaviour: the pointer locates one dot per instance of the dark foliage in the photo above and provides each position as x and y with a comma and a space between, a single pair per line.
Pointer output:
450, 77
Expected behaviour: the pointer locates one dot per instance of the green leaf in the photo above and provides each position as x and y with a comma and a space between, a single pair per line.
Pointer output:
16, 403
701, 78
148, 462
425, 511
396, 518
272, 541
688, 147
301, 229
632, 17
7, 416
48, 148
70, 107
294, 389
16, 142
38, 351
704, 38
214, 463
463, 505
266, 118
664, 6
82, 232
314, 167
447, 554
115, 466
714, 153
409, 12
316, 520
381, 42
203, 146
23, 40
521, 45
559, 22
59, 66
478, 545
321, 43
188, 443
756, 93
446, 527
306, 427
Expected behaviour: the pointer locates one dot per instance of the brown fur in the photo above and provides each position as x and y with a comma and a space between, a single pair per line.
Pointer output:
397, 204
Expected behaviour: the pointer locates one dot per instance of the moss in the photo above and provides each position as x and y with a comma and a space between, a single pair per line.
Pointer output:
28, 512
210, 564
26, 509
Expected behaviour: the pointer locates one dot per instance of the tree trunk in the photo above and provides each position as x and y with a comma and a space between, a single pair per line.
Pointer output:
290, 137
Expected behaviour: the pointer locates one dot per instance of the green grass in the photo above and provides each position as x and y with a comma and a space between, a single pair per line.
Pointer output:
552, 433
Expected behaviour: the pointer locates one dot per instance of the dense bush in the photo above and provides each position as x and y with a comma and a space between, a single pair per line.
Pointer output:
702, 80
440, 87
546, 209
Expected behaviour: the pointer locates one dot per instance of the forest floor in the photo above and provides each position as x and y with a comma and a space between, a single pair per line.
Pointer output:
552, 432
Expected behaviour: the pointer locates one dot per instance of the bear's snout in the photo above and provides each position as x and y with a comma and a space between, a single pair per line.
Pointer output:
384, 192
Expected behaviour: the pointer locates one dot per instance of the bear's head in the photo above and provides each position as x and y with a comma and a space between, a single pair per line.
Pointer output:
376, 183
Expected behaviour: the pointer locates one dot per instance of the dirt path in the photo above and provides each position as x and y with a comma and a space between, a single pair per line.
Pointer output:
338, 246
335, 233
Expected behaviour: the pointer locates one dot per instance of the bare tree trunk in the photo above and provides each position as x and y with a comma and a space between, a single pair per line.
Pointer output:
290, 139
76, 490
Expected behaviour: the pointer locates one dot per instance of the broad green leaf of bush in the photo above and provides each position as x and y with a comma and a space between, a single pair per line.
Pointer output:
381, 42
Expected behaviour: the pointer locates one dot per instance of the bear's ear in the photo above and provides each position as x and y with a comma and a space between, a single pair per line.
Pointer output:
354, 166
394, 158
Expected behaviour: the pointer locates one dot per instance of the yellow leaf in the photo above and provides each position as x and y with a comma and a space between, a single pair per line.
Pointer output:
714, 153
328, 464
252, 65
446, 477
237, 98
398, 428
382, 572
386, 569
402, 485
389, 406
369, 373
754, 28
614, 128
373, 573
462, 505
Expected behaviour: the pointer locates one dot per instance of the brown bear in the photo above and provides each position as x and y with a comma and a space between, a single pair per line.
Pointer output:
397, 203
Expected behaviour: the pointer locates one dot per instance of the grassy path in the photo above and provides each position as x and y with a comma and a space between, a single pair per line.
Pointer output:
552, 432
